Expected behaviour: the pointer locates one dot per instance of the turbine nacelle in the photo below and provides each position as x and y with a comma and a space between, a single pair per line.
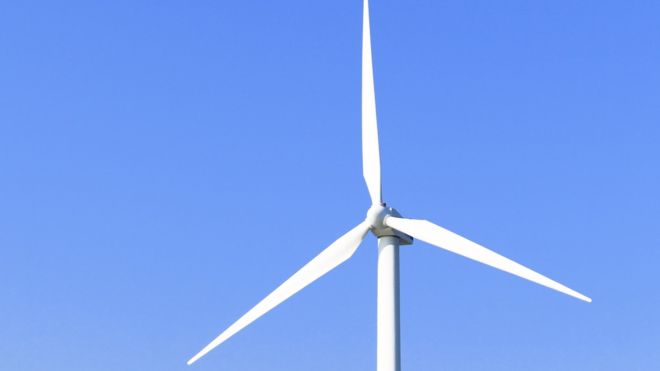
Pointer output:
377, 218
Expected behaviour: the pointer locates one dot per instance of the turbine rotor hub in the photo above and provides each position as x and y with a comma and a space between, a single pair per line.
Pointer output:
376, 216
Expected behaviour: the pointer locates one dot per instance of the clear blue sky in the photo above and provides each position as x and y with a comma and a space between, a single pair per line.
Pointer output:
165, 165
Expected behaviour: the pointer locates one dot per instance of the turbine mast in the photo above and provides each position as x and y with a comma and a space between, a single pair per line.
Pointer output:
388, 352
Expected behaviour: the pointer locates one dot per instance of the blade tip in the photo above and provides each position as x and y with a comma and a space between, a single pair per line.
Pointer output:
583, 297
193, 359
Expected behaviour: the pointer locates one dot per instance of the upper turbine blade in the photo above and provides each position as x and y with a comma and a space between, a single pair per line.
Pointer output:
370, 147
335, 254
445, 239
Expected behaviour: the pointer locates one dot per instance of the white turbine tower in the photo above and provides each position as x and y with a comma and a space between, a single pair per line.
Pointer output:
392, 230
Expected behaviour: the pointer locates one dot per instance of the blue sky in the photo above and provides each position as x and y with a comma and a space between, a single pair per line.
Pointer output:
165, 165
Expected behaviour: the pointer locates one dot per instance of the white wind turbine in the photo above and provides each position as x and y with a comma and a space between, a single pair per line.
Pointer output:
392, 230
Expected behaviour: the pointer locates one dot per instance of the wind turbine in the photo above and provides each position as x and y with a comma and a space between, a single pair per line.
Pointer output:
392, 231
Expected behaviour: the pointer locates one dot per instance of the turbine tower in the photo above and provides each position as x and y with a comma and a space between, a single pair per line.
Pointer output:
392, 230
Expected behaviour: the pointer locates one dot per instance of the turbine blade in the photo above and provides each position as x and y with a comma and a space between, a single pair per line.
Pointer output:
335, 254
450, 241
370, 147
